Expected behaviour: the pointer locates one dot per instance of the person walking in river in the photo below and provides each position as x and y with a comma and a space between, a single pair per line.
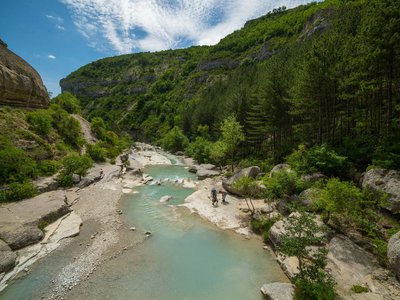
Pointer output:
214, 198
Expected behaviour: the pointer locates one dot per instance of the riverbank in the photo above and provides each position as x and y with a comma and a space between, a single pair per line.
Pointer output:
104, 236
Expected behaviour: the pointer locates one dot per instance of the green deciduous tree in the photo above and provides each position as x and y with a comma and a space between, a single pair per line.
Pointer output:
232, 136
301, 237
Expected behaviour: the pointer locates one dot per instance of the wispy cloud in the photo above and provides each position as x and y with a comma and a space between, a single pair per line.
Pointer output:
55, 18
151, 25
51, 56
58, 21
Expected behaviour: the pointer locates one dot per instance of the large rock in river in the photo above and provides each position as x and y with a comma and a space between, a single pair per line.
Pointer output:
247, 172
388, 181
7, 257
394, 254
20, 84
278, 291
19, 221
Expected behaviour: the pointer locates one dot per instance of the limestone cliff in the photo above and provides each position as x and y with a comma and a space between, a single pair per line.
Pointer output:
20, 84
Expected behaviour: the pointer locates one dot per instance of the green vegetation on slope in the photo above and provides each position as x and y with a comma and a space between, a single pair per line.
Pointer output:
44, 142
323, 73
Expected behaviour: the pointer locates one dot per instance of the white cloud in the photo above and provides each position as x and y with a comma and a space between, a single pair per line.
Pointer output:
151, 25
51, 56
59, 27
55, 18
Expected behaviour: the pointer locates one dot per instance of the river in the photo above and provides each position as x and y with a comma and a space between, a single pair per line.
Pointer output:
184, 258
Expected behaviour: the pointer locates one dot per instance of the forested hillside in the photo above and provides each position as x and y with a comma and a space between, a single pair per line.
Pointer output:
323, 73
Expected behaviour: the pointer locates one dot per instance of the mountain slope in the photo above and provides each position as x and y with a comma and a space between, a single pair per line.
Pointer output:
323, 73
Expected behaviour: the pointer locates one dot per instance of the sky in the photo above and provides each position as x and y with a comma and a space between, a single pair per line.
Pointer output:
58, 36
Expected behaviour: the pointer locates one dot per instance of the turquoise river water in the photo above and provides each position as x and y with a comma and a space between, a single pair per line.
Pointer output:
185, 258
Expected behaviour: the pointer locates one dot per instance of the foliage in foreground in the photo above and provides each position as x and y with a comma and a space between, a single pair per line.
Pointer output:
312, 281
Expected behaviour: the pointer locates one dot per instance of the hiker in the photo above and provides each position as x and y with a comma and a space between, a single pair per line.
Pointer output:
214, 198
224, 193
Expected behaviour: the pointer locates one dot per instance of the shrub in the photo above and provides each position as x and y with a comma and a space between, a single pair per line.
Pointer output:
67, 127
68, 102
65, 180
16, 165
338, 197
41, 121
311, 282
98, 127
284, 183
174, 140
74, 164
319, 158
218, 153
97, 152
17, 191
264, 225
199, 149
49, 167
358, 289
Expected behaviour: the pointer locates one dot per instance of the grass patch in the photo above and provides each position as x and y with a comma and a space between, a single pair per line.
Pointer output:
358, 289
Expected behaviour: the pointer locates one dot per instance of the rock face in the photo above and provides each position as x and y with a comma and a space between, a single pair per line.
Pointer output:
19, 221
394, 254
278, 291
46, 184
388, 181
20, 84
247, 172
276, 232
351, 265
7, 258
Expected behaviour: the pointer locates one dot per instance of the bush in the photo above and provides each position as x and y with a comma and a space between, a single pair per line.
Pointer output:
318, 158
97, 152
17, 191
174, 140
98, 127
74, 164
199, 149
49, 167
67, 127
264, 225
338, 197
65, 180
323, 289
68, 102
41, 121
16, 165
218, 153
358, 289
285, 183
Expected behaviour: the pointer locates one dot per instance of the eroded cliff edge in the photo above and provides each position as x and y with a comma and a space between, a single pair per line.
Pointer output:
20, 84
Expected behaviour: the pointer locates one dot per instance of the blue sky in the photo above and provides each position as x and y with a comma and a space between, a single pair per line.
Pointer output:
58, 36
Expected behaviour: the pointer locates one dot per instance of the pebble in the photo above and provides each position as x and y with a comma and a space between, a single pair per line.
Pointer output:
132, 228
92, 237
125, 248
26, 270
148, 233
266, 248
